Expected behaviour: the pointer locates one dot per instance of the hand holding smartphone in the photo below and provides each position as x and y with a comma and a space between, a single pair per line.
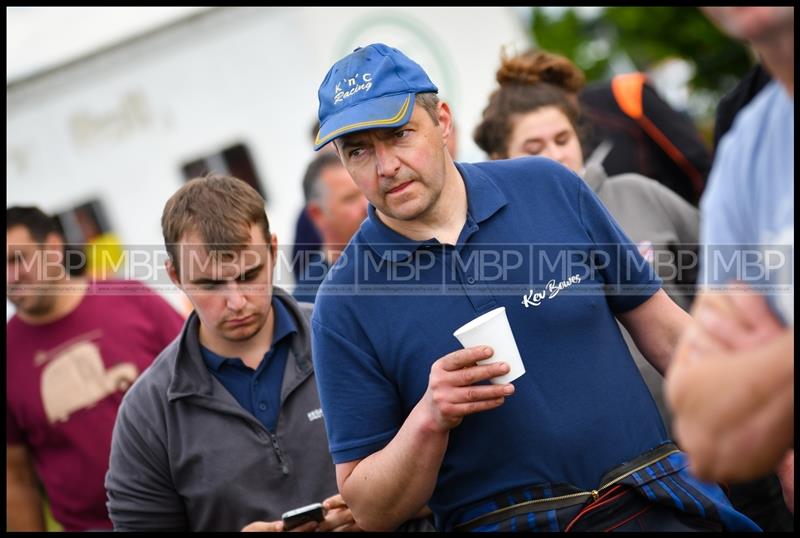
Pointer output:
304, 514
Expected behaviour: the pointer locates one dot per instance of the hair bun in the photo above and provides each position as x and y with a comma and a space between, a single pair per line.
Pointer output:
534, 67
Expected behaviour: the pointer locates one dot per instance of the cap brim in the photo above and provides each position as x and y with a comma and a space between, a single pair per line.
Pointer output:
378, 113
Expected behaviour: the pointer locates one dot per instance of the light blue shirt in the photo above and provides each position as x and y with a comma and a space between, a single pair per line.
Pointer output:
747, 223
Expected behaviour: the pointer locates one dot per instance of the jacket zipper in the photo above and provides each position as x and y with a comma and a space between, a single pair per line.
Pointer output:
279, 453
637, 469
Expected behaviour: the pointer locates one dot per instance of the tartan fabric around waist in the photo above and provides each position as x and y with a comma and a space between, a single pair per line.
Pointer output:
550, 507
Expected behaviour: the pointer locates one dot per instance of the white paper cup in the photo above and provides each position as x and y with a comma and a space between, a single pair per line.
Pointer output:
492, 329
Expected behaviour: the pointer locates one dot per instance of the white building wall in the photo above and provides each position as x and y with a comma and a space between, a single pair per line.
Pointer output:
118, 125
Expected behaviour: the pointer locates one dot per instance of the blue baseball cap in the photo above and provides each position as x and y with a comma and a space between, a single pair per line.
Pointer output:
372, 87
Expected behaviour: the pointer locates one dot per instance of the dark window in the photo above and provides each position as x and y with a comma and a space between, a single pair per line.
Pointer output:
233, 161
82, 225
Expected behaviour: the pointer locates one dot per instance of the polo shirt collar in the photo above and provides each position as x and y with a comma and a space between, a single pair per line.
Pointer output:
284, 322
484, 199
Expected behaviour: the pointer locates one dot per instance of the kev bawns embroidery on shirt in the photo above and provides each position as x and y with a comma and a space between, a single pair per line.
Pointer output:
535, 298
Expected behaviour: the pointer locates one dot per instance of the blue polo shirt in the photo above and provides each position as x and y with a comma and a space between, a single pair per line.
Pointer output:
258, 391
539, 242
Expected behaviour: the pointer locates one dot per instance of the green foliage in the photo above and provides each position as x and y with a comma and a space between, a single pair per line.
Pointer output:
569, 35
644, 36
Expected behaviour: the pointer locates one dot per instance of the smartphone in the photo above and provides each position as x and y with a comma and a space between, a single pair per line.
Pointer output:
304, 514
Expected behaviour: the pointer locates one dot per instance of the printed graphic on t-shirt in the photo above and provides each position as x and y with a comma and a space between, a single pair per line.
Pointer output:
75, 378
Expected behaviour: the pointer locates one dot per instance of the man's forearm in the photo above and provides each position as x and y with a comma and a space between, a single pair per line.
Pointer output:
392, 485
660, 349
656, 327
24, 508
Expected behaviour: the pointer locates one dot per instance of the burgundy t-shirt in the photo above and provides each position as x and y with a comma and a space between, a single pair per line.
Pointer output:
65, 381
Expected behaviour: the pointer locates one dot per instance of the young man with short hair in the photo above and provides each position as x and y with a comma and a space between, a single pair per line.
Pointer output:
224, 431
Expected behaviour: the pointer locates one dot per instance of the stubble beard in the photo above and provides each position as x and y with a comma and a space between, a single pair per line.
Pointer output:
33, 305
427, 201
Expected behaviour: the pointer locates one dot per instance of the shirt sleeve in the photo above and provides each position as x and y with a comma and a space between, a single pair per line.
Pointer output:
165, 322
361, 406
629, 279
14, 435
722, 226
141, 496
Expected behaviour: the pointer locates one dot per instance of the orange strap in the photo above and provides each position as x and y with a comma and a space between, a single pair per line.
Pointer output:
627, 90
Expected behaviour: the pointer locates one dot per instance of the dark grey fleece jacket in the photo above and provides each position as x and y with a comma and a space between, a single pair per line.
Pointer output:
186, 456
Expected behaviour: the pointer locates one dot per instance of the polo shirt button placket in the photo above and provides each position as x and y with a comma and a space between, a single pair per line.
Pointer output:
476, 292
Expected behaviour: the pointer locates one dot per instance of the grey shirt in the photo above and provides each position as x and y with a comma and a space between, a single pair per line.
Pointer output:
186, 456
651, 214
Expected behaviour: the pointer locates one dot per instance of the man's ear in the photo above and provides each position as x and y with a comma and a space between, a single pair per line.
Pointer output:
445, 120
172, 272
273, 245
54, 242
273, 252
314, 212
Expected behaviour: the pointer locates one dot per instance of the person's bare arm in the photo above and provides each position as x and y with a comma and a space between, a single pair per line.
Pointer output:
731, 386
656, 326
23, 498
734, 412
392, 485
